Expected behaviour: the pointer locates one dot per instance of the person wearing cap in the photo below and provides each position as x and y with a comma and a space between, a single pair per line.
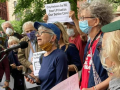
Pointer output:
25, 55
110, 55
74, 37
9, 31
54, 62
93, 16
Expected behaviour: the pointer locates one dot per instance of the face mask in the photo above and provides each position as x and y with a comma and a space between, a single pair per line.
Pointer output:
47, 46
31, 35
105, 67
84, 27
9, 31
70, 32
15, 50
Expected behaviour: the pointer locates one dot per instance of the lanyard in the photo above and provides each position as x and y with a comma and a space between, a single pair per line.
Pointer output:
93, 41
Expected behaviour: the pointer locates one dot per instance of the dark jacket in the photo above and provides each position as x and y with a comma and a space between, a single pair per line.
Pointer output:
98, 66
4, 66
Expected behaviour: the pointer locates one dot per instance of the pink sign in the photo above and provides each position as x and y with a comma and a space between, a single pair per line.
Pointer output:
71, 83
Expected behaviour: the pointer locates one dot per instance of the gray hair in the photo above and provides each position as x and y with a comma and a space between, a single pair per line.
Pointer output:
44, 28
100, 9
13, 38
5, 23
27, 23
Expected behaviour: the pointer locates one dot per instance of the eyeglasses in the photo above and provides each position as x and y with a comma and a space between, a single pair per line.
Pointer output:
40, 33
83, 18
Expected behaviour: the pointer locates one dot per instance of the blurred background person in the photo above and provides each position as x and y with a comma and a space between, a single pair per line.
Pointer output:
15, 65
25, 55
110, 52
74, 62
9, 31
4, 68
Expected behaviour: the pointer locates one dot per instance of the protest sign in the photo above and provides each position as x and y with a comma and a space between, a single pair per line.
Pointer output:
71, 83
36, 63
58, 12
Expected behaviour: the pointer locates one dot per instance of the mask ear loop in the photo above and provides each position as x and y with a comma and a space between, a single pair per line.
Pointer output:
51, 39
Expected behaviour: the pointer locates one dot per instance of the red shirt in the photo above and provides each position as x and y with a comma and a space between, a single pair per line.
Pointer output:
87, 65
80, 45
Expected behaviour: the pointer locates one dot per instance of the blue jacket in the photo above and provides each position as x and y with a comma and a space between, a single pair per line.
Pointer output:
98, 66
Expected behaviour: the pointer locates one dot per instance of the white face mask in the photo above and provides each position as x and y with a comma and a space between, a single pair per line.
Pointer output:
9, 31
70, 32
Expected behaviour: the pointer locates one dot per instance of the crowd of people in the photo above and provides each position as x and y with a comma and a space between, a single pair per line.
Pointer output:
89, 44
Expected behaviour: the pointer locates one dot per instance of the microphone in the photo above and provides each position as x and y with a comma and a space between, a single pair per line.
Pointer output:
21, 45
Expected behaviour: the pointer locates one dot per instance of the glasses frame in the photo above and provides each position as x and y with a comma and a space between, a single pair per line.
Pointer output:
40, 33
82, 18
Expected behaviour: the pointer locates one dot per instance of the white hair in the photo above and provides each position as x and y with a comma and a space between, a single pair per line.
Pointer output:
5, 23
27, 23
13, 38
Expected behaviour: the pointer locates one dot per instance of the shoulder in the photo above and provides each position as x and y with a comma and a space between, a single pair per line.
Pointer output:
25, 39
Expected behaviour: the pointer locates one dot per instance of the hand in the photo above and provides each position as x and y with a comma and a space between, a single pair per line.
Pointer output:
19, 67
45, 18
72, 15
30, 80
13, 65
6, 84
31, 67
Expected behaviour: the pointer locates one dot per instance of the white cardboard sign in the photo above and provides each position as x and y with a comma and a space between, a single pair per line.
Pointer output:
58, 12
36, 63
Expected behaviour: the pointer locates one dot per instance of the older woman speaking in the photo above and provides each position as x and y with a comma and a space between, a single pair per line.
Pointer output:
54, 62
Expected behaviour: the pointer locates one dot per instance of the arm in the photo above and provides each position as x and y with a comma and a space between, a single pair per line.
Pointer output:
74, 57
22, 59
61, 68
83, 35
102, 86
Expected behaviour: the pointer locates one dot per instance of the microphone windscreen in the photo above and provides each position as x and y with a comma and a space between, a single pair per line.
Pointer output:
23, 44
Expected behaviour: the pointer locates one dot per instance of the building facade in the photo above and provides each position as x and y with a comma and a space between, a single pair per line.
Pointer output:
3, 11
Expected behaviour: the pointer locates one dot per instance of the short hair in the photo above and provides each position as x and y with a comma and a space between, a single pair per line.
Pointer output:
5, 23
100, 9
13, 38
27, 23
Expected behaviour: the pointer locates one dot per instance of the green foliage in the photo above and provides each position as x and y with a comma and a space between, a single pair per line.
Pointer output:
3, 0
33, 10
17, 26
1, 21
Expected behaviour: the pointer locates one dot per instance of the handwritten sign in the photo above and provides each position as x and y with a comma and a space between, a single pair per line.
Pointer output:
71, 83
58, 12
36, 63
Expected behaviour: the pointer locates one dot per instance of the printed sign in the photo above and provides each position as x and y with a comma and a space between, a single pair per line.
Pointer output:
58, 12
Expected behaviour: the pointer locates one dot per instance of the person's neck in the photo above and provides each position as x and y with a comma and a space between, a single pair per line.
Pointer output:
61, 44
48, 52
94, 32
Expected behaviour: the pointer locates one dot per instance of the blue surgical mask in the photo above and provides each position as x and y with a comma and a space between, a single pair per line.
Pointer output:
84, 27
